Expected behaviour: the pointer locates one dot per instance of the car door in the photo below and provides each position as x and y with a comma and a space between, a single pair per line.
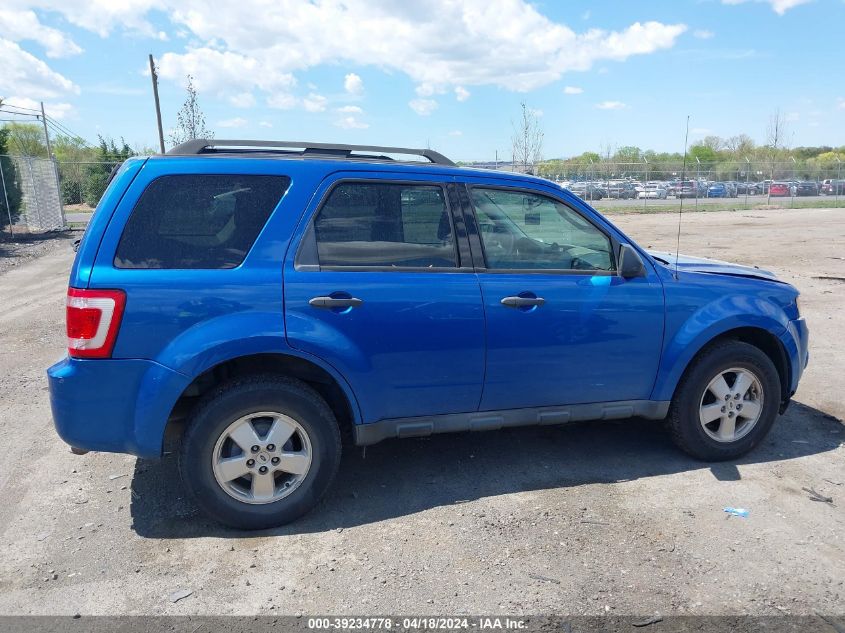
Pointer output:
382, 288
562, 327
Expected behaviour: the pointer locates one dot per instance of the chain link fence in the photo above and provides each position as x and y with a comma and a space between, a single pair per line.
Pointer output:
38, 193
31, 193
736, 171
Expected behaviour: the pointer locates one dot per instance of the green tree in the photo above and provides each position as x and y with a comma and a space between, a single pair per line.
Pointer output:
10, 179
190, 121
72, 154
704, 153
26, 139
109, 157
628, 154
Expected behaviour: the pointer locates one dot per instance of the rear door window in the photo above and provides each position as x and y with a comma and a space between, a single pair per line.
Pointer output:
198, 221
393, 225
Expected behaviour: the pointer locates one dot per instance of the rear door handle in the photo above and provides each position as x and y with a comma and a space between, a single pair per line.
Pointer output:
335, 302
521, 302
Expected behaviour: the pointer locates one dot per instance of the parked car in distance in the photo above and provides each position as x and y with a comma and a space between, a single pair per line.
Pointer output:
652, 191
622, 190
749, 188
254, 306
807, 188
688, 189
588, 191
780, 189
721, 190
832, 187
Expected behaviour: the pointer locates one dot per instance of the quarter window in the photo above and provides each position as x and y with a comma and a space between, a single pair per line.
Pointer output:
385, 225
522, 230
198, 221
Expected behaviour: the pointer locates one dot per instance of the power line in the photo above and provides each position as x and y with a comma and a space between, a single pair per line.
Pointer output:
20, 113
63, 131
11, 105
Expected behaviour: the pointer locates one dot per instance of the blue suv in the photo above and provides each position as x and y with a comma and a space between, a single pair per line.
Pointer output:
265, 303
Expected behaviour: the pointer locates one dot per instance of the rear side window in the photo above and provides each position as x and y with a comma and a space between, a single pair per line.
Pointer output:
385, 225
198, 221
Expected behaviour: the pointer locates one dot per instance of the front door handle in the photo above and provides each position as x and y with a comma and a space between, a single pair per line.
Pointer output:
335, 302
522, 302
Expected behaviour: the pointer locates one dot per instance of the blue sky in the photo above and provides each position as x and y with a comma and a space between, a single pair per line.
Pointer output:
435, 72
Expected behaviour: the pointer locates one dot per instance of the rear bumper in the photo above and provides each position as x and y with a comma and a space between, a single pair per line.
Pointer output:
118, 406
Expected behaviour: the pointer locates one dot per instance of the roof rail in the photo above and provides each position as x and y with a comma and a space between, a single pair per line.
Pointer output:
208, 146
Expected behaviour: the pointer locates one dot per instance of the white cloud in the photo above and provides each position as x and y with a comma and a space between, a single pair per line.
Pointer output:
778, 6
703, 34
351, 123
426, 90
265, 124
353, 84
423, 107
221, 72
25, 74
236, 122
350, 109
314, 102
611, 105
572, 90
461, 93
281, 101
24, 25
242, 100
506, 43
509, 43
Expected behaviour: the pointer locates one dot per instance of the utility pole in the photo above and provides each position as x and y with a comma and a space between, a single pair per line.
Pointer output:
154, 77
46, 132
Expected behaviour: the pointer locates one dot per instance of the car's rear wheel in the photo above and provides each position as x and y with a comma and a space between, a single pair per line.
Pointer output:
726, 402
260, 451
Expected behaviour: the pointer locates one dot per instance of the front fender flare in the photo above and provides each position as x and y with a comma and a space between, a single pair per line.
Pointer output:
705, 325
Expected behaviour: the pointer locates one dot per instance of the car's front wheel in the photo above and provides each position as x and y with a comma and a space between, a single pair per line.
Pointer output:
260, 451
726, 402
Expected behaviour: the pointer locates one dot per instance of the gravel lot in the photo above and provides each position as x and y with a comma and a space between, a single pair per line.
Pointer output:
584, 519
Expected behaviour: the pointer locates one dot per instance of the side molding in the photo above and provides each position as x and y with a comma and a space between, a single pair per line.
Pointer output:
375, 432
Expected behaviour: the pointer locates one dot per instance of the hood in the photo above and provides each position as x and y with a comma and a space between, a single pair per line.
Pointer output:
712, 266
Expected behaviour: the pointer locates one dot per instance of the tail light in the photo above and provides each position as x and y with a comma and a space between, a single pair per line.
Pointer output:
93, 319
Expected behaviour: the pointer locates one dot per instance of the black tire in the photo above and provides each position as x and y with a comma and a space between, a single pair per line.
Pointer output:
240, 397
683, 420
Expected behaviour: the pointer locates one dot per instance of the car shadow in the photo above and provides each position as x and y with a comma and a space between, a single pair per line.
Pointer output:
402, 477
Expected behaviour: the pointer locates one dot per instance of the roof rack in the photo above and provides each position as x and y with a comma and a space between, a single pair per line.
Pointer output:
210, 146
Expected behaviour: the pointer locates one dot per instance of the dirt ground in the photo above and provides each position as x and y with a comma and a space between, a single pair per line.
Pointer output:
592, 518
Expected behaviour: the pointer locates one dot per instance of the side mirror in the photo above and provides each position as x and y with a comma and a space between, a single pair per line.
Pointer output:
630, 263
